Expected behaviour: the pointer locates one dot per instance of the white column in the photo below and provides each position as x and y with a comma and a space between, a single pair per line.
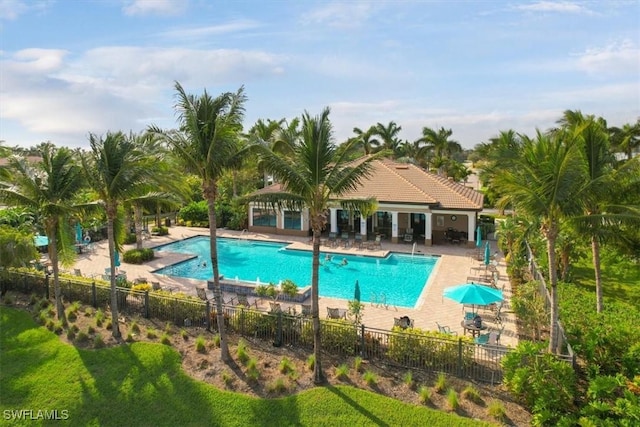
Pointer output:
334, 219
394, 225
363, 226
250, 216
428, 231
471, 224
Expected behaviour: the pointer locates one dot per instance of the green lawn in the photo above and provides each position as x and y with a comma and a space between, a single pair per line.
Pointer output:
143, 385
620, 278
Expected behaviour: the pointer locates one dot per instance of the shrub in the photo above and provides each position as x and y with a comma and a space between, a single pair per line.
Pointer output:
441, 383
135, 327
541, 382
151, 333
408, 380
82, 337
184, 334
227, 378
357, 363
8, 299
342, 372
417, 348
165, 339
471, 394
138, 256
241, 351
285, 366
452, 400
98, 342
216, 340
424, 394
200, 344
129, 337
91, 330
253, 374
71, 334
130, 239
370, 378
277, 386
496, 410
99, 317
160, 231
195, 212
311, 362
141, 287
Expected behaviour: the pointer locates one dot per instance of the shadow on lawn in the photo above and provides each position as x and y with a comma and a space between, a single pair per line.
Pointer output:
356, 406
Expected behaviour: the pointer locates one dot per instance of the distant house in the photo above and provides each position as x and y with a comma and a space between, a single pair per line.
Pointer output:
413, 206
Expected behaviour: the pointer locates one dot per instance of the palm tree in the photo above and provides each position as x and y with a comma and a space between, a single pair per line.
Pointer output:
208, 144
602, 214
117, 170
317, 174
627, 138
49, 189
542, 184
364, 140
440, 145
389, 136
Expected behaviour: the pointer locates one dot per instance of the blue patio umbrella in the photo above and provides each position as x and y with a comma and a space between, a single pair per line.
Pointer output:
78, 233
478, 237
487, 255
41, 240
473, 293
116, 257
356, 292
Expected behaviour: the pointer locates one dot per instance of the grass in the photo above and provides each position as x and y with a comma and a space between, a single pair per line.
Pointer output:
143, 384
620, 277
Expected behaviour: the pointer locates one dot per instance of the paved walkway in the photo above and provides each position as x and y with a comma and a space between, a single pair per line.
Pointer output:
454, 267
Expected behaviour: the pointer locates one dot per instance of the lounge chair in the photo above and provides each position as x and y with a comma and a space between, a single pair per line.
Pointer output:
202, 294
333, 239
275, 307
490, 339
376, 244
336, 313
345, 240
156, 287
445, 330
403, 322
140, 280
357, 241
77, 272
243, 300
306, 309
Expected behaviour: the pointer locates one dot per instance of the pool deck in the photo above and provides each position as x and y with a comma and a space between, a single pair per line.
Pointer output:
454, 267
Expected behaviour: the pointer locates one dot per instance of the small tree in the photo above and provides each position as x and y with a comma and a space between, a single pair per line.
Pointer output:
287, 287
355, 310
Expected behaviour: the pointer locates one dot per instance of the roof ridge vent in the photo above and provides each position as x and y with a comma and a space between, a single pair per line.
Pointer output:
402, 166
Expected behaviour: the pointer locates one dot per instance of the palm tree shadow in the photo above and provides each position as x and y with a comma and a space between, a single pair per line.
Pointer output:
355, 405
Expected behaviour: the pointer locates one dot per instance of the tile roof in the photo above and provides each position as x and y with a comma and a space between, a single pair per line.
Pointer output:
392, 182
403, 183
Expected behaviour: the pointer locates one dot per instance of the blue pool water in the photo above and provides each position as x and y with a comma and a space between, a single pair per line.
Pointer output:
400, 278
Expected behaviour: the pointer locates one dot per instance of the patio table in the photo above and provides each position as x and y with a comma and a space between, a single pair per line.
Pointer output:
468, 325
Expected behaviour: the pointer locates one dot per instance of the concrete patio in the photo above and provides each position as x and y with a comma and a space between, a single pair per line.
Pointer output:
454, 267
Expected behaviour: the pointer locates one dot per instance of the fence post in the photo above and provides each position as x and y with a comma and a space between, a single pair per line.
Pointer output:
146, 304
362, 343
459, 370
94, 295
207, 320
278, 341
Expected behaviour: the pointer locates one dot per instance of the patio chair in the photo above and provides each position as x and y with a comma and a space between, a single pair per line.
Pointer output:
357, 241
156, 287
333, 239
408, 238
376, 244
445, 330
336, 313
243, 300
140, 280
77, 272
305, 309
345, 240
275, 307
403, 322
202, 294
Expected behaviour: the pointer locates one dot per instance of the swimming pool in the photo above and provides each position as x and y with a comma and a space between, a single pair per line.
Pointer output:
400, 278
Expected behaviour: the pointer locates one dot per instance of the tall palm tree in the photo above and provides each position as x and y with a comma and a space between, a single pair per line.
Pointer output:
208, 143
265, 132
541, 184
602, 214
388, 135
365, 141
626, 138
317, 174
117, 169
440, 145
49, 188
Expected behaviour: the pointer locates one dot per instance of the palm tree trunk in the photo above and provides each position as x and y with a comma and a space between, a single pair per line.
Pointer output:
553, 279
217, 291
137, 222
318, 376
115, 330
53, 257
595, 249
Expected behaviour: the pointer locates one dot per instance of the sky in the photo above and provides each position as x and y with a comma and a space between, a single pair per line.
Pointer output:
70, 68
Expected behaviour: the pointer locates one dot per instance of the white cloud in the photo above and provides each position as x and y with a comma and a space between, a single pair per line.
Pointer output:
554, 6
12, 9
200, 32
157, 7
613, 59
340, 14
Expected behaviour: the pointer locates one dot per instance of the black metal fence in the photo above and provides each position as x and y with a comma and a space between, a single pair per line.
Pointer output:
412, 349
